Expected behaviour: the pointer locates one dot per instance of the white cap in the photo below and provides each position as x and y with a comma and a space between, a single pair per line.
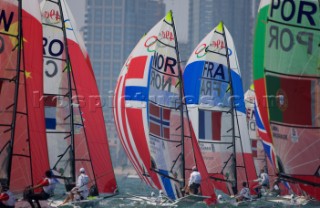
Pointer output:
82, 170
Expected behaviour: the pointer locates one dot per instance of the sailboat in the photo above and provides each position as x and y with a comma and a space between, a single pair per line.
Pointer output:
21, 119
75, 127
287, 85
23, 147
259, 156
151, 116
216, 106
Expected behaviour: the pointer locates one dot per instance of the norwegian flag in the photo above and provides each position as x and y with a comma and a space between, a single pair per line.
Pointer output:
159, 121
268, 147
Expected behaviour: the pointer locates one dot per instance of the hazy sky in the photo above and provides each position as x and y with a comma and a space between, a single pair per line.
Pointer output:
179, 8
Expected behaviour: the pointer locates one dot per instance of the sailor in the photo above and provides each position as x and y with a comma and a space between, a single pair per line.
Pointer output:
48, 185
81, 191
276, 191
7, 199
263, 182
194, 181
244, 194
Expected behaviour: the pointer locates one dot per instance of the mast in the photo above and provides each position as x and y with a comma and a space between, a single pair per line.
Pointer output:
68, 68
181, 101
16, 90
234, 184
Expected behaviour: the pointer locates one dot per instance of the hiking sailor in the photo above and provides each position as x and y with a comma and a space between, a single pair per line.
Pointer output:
194, 181
263, 182
80, 192
48, 185
244, 194
7, 200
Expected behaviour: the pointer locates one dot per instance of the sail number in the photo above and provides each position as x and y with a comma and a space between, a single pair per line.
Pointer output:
218, 44
167, 35
52, 14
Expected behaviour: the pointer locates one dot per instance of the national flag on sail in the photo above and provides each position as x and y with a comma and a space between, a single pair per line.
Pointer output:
210, 125
159, 121
50, 104
292, 100
266, 141
136, 79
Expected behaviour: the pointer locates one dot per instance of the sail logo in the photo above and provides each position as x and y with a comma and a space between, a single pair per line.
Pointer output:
282, 100
52, 16
214, 46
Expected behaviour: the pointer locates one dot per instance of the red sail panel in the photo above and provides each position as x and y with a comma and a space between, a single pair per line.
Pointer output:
138, 133
33, 66
207, 187
93, 121
26, 114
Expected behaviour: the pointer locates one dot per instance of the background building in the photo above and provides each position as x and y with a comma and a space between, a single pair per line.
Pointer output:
238, 16
113, 27
111, 30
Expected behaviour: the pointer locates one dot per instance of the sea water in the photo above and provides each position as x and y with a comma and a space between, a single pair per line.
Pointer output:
135, 186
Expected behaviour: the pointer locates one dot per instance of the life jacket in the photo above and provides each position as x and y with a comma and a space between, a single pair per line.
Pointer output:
11, 201
246, 194
82, 182
50, 188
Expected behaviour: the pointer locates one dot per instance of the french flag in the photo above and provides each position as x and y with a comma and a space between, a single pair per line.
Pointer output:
50, 105
210, 125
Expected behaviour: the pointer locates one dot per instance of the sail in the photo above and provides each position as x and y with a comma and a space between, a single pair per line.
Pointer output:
258, 154
151, 116
22, 131
75, 125
288, 75
215, 102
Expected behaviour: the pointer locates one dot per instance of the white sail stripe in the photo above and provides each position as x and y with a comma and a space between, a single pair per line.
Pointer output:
138, 163
121, 130
306, 148
306, 163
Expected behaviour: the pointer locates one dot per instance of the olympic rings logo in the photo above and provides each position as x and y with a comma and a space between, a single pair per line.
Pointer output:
150, 43
202, 50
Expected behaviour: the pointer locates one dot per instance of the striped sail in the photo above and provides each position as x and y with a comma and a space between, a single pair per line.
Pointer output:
215, 102
23, 152
75, 125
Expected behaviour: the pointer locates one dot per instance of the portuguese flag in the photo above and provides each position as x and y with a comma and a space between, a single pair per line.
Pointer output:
291, 100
